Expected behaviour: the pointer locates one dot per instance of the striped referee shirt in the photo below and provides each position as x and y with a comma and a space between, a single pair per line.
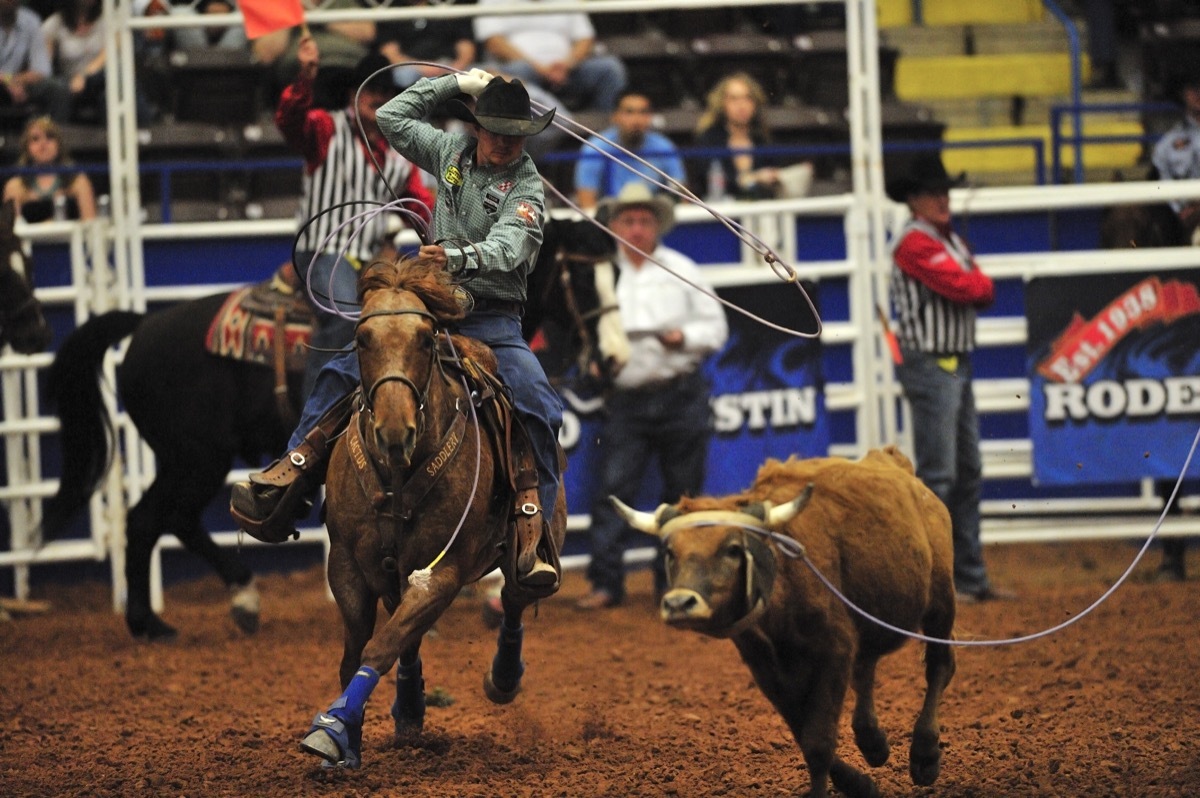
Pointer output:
345, 175
935, 289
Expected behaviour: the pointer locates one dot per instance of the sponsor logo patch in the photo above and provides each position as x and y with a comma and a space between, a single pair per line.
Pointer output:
527, 214
453, 176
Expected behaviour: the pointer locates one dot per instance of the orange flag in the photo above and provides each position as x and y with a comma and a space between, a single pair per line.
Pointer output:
266, 16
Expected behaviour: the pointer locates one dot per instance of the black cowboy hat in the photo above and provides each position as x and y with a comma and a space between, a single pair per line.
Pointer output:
503, 108
923, 172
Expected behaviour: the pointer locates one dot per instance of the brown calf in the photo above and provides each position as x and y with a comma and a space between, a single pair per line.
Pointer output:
879, 535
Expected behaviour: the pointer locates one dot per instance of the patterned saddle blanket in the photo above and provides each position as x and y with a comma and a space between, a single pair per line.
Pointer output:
259, 323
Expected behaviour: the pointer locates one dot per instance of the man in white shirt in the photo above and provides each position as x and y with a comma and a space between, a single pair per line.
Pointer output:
659, 402
554, 51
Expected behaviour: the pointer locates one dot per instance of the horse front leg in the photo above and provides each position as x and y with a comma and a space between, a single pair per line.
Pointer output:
408, 711
336, 733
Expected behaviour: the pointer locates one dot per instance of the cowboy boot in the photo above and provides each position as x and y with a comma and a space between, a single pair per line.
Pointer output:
267, 506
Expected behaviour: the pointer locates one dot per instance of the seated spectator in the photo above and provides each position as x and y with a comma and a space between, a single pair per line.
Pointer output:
438, 40
52, 194
74, 37
733, 118
598, 177
25, 68
231, 37
1176, 156
554, 51
343, 45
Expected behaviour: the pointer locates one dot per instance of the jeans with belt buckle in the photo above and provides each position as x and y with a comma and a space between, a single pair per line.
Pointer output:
945, 431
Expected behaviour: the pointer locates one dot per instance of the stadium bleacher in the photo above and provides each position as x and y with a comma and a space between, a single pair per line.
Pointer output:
1007, 58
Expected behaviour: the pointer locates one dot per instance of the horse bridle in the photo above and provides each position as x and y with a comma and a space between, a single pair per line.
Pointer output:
368, 397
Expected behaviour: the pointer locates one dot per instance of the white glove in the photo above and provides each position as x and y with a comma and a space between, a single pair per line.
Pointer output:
474, 82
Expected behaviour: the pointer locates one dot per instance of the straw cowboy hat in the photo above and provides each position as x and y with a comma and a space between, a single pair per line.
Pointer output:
923, 173
638, 195
502, 108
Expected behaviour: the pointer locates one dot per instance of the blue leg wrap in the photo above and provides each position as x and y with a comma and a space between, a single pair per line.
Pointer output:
408, 710
336, 733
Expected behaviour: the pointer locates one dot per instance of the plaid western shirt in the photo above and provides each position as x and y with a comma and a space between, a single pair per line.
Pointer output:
489, 219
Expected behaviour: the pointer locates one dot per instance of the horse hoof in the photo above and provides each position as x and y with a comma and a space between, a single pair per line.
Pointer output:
319, 743
495, 694
151, 628
924, 759
244, 607
333, 740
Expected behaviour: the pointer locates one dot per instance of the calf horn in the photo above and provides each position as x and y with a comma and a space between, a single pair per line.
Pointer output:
776, 516
642, 521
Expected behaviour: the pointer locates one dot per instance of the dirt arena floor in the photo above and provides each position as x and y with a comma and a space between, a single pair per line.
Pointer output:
614, 703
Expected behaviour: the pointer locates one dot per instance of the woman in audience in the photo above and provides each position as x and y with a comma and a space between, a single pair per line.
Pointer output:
75, 39
46, 195
733, 118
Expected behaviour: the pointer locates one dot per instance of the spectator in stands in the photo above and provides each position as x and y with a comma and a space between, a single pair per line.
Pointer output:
25, 67
231, 37
936, 288
1176, 155
658, 406
342, 45
75, 41
554, 51
52, 194
438, 40
597, 176
734, 119
338, 169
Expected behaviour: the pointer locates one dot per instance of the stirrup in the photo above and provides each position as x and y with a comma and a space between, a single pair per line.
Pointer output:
269, 512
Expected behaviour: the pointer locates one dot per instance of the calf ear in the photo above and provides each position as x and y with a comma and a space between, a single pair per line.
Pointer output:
760, 571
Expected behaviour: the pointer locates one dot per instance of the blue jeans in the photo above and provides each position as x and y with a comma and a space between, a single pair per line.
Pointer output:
674, 423
330, 332
595, 82
537, 403
946, 441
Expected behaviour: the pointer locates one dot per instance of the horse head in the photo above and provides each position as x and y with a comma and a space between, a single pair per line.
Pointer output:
572, 301
21, 321
405, 306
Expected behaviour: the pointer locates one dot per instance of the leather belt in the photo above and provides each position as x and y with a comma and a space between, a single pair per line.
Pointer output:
499, 306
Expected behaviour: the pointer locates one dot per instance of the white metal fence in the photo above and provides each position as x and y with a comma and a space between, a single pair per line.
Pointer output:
108, 270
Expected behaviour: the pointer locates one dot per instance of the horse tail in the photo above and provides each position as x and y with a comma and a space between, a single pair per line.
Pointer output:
73, 387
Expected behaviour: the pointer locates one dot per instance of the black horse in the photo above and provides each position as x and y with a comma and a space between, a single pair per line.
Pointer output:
198, 412
21, 321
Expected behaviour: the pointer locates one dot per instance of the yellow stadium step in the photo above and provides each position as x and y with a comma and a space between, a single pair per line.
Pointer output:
893, 13
898, 13
1021, 158
980, 12
956, 76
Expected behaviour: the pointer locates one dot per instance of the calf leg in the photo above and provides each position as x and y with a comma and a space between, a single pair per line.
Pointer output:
925, 755
867, 735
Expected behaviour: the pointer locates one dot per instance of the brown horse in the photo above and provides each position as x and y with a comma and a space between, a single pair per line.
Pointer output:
417, 502
21, 321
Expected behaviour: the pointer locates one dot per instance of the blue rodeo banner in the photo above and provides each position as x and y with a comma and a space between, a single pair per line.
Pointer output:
1115, 375
767, 400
